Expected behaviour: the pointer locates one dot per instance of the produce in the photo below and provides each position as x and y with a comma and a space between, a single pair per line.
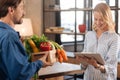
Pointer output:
61, 52
45, 46
33, 46
36, 44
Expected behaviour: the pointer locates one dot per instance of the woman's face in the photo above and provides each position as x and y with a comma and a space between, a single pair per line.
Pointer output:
99, 22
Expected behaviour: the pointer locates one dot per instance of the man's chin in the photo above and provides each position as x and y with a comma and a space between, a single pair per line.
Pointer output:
20, 22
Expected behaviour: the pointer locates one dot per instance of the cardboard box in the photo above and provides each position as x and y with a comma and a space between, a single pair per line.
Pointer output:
52, 56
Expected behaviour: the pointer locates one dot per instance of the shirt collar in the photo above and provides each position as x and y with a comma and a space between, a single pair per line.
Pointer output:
6, 26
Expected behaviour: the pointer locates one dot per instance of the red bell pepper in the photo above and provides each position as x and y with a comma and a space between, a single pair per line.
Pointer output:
45, 46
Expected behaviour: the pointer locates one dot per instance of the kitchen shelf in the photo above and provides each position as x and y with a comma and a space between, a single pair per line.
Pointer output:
71, 9
64, 32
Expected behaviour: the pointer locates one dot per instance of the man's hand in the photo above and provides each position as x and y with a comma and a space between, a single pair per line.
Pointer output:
44, 60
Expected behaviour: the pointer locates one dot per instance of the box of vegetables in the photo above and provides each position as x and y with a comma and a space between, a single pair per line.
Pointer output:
36, 46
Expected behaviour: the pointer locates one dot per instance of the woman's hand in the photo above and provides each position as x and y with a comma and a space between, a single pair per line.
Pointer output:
80, 59
92, 62
85, 59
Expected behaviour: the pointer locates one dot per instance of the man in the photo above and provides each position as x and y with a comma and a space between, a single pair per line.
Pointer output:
14, 63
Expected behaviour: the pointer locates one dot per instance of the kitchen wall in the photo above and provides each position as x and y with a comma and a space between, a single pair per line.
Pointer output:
33, 10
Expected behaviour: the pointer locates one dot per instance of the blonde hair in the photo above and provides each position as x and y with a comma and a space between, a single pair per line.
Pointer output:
106, 14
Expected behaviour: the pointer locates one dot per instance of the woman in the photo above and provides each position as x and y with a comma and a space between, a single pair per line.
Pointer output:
103, 40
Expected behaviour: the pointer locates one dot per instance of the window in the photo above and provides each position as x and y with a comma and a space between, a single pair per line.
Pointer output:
68, 19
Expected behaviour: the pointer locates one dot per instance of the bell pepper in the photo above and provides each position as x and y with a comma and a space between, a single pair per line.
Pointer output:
45, 46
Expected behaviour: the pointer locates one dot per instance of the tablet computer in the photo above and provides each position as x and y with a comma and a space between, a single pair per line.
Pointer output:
96, 56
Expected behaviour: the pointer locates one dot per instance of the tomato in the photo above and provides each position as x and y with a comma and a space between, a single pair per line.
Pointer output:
45, 46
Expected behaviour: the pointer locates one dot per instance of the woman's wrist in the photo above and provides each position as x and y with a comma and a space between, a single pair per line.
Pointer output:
101, 68
98, 66
83, 66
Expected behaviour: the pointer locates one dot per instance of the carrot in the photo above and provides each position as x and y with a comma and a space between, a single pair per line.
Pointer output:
63, 53
60, 58
60, 51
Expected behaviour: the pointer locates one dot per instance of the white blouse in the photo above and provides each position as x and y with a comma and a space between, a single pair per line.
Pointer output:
108, 45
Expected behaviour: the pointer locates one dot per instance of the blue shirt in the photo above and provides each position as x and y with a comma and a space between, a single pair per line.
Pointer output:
108, 45
14, 63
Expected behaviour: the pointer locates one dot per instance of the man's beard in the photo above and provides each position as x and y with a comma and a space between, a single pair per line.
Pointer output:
19, 21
